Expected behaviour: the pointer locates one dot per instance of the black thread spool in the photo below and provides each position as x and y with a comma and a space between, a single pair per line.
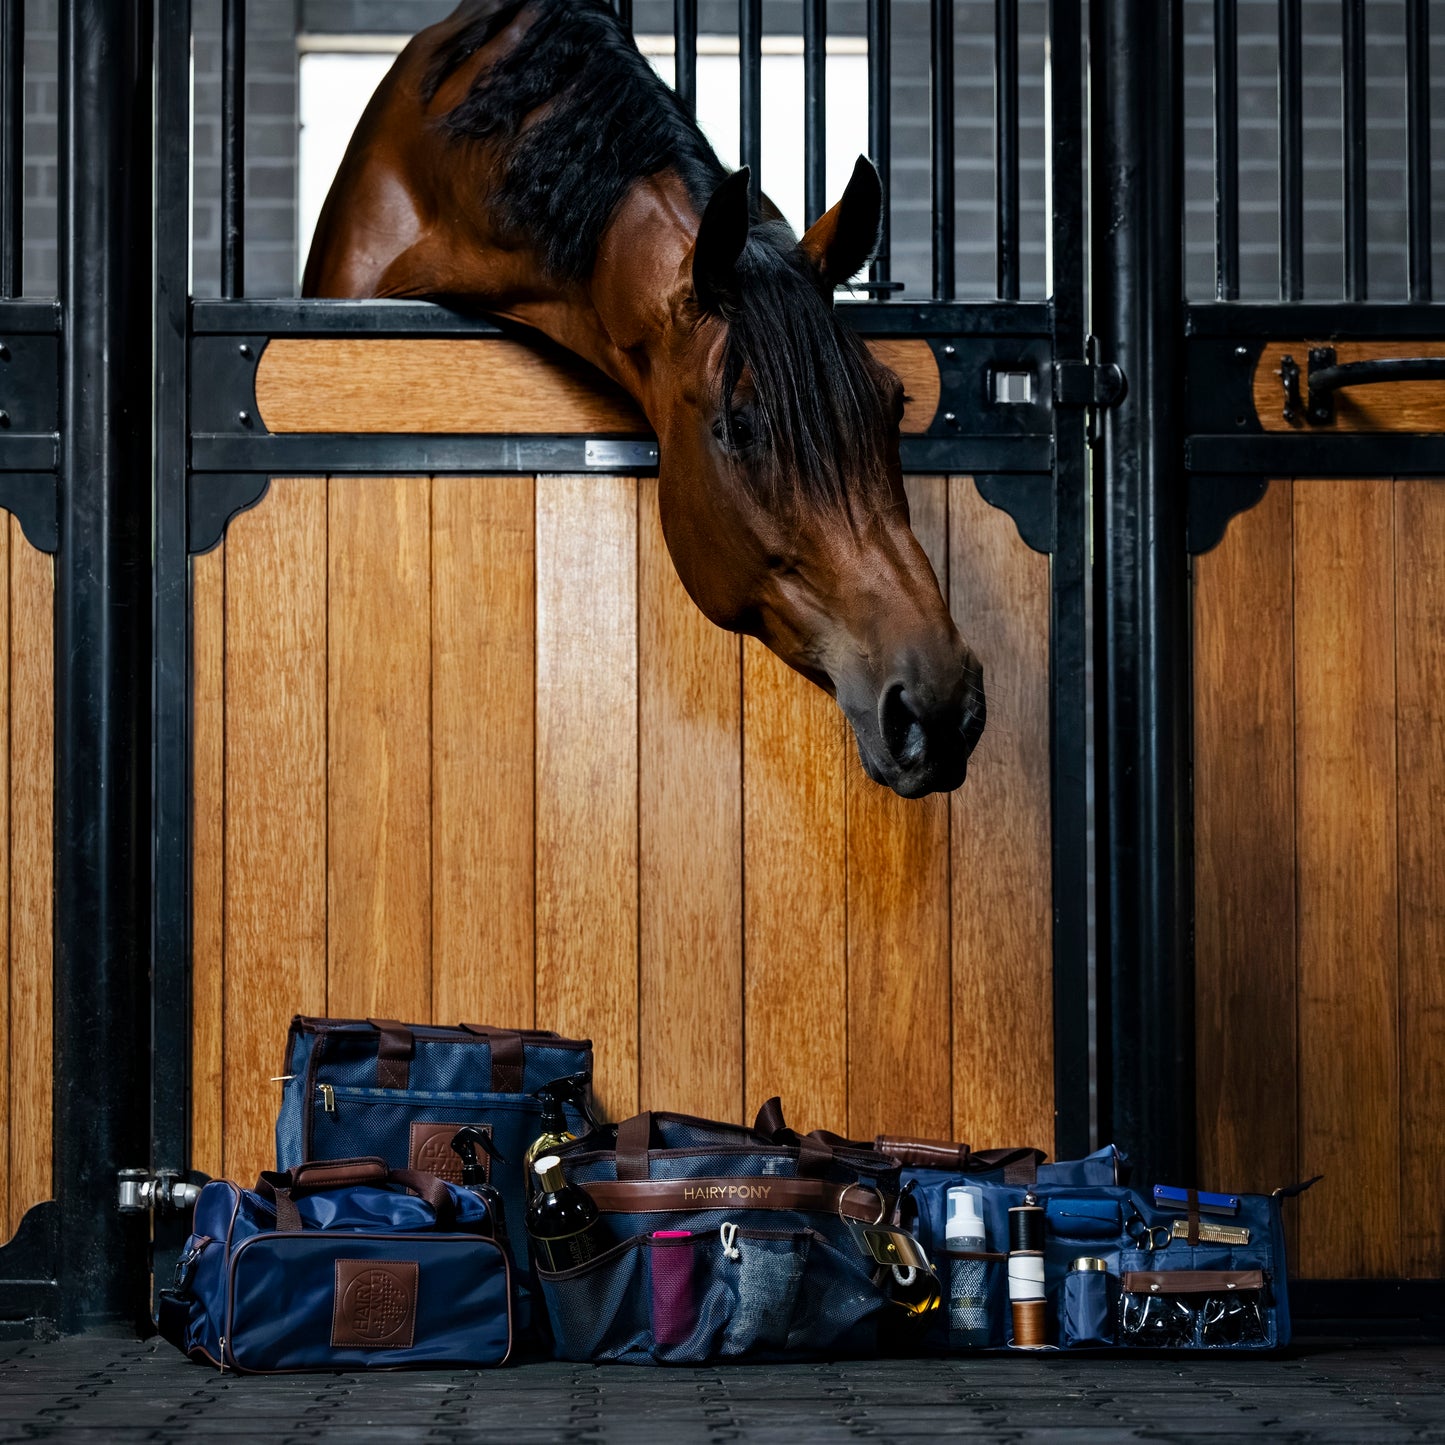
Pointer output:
1026, 1275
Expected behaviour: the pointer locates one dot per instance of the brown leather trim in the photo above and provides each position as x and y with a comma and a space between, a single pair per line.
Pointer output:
762, 1191
394, 1048
634, 1139
339, 1173
507, 1049
430, 1150
374, 1304
1190, 1281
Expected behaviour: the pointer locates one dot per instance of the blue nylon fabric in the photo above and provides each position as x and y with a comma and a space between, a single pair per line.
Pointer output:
282, 1299
1072, 1209
461, 1316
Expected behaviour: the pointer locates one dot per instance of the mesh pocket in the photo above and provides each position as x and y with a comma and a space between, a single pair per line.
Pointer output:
601, 1311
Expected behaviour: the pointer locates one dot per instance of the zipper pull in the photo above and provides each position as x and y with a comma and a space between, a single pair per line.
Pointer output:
328, 1098
223, 1354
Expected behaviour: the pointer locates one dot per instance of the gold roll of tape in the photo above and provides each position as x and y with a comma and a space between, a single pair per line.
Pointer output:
1088, 1262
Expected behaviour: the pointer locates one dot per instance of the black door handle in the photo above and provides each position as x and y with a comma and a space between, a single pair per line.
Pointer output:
1326, 376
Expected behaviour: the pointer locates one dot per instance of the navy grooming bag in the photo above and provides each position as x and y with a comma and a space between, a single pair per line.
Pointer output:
334, 1267
728, 1246
400, 1091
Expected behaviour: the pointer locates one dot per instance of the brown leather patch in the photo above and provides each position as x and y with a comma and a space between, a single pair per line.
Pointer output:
431, 1150
375, 1304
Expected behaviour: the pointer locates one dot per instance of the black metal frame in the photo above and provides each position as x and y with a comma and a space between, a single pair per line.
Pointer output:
1164, 382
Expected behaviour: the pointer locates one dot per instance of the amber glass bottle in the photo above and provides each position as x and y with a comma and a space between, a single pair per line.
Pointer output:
564, 1224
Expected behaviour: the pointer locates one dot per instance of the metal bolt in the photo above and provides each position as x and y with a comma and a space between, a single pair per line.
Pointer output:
244, 417
4, 418
950, 417
4, 352
950, 350
1241, 353
244, 349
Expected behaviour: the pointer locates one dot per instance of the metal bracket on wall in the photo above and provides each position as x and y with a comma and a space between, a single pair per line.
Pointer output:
29, 1290
1214, 502
213, 499
34, 500
1029, 500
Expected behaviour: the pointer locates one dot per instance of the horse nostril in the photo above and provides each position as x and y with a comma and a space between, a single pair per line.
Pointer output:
903, 733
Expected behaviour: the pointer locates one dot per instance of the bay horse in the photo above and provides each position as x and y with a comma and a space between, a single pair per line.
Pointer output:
524, 156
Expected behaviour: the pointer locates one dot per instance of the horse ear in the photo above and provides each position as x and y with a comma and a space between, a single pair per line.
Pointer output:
721, 236
841, 241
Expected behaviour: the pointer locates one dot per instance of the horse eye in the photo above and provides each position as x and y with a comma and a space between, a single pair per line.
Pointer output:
734, 430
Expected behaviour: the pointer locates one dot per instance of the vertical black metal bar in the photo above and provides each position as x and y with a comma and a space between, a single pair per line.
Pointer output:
1417, 83
1357, 244
171, 698
684, 36
1068, 596
815, 108
12, 146
624, 13
1006, 143
1226, 149
102, 655
941, 128
750, 89
880, 121
233, 148
1142, 614
1291, 155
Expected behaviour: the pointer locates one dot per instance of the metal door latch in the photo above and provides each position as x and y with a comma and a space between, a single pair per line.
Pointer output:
1088, 383
138, 1191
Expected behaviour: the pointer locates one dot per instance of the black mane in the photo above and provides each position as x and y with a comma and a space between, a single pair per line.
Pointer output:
609, 122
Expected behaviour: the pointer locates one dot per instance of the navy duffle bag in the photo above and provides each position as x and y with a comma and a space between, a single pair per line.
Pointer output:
336, 1267
401, 1091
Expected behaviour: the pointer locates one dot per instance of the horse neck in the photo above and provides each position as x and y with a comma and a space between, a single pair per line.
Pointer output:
621, 319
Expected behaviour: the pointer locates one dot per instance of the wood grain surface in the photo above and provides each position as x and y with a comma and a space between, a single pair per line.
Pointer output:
492, 387
899, 1069
587, 772
1346, 839
8, 1134
379, 747
795, 867
1420, 731
1244, 851
32, 936
276, 819
690, 840
1002, 904
483, 645
1399, 406
208, 853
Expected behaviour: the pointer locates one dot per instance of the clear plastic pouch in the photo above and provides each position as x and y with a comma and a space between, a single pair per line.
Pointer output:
1194, 1309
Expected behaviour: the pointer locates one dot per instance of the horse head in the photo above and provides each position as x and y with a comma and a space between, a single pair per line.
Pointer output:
781, 491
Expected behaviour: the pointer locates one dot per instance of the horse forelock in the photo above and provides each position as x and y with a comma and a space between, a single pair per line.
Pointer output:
823, 419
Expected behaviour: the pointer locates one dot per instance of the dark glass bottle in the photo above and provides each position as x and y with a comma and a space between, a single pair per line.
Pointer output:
563, 1222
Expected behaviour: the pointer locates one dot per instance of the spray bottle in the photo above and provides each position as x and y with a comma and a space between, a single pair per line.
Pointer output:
571, 1089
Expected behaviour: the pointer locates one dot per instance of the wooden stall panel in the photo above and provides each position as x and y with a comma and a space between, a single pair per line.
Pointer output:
690, 839
1420, 791
1002, 904
494, 387
6, 1128
379, 748
208, 852
1244, 851
32, 784
1349, 1095
795, 900
275, 803
587, 772
483, 709
899, 1068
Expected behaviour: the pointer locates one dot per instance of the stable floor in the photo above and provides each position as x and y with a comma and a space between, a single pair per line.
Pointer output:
104, 1389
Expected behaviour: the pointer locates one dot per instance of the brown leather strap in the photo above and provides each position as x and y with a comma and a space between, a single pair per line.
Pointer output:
923, 1153
337, 1173
1192, 1204
317, 1176
634, 1139
992, 1255
508, 1057
1190, 1281
762, 1191
393, 1053
770, 1117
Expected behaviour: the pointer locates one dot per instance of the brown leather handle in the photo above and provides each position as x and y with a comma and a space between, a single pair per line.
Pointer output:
634, 1139
317, 1176
763, 1191
923, 1153
508, 1057
394, 1049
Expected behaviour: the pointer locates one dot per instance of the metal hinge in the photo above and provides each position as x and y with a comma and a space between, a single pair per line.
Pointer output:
1088, 383
138, 1191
